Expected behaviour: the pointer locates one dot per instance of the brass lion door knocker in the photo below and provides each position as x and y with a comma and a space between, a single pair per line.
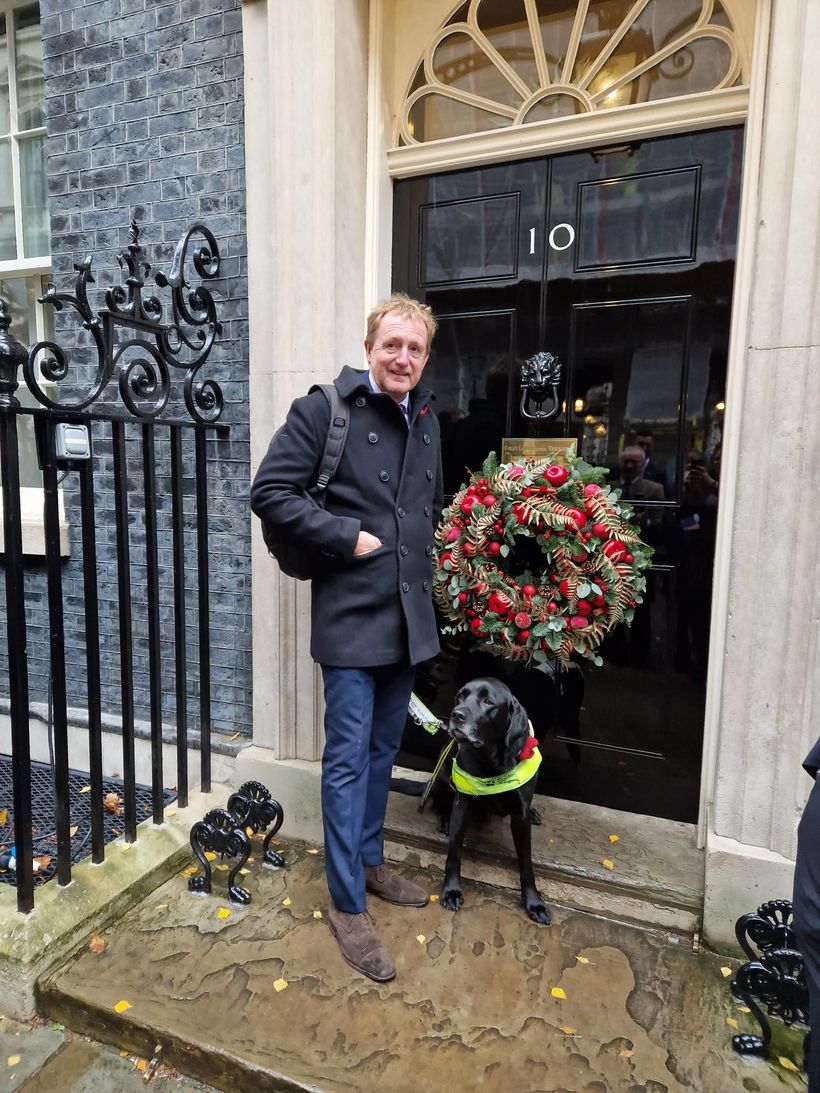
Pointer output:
540, 377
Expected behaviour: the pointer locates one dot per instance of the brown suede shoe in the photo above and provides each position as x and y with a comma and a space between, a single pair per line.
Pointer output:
359, 945
393, 888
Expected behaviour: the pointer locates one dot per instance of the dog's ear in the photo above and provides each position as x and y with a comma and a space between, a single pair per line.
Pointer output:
517, 732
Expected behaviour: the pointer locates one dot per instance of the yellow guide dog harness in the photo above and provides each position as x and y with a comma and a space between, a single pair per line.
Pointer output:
522, 772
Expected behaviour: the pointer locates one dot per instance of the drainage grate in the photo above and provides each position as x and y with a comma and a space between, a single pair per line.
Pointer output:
42, 815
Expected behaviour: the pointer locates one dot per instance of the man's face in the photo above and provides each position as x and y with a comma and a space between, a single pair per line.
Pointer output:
644, 442
398, 354
631, 464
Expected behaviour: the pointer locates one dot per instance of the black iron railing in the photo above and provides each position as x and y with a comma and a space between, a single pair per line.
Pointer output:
130, 404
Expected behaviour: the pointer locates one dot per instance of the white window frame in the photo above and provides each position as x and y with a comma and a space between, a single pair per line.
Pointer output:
31, 497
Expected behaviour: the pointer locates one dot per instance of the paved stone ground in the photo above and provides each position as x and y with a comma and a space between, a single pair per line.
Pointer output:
42, 1057
482, 998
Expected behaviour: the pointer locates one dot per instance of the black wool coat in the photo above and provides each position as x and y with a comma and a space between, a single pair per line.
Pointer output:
377, 608
806, 900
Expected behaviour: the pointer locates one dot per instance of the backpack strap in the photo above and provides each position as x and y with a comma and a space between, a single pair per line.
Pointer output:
336, 437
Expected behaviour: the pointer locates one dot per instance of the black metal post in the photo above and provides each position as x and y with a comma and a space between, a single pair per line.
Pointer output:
57, 683
180, 633
204, 618
12, 358
126, 641
92, 660
149, 477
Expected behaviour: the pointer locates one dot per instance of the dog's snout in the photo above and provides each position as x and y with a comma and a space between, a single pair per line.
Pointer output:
458, 716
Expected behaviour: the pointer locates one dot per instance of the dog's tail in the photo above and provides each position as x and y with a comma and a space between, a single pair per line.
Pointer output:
409, 786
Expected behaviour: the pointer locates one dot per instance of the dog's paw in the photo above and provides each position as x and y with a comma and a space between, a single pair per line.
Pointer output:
443, 825
451, 899
535, 816
539, 912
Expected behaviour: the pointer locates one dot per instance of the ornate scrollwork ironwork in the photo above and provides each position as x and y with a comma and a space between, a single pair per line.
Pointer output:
219, 833
774, 976
540, 377
132, 339
253, 807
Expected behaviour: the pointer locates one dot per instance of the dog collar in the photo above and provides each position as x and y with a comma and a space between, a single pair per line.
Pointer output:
473, 786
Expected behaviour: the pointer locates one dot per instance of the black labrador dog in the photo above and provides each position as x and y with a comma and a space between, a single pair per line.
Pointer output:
491, 728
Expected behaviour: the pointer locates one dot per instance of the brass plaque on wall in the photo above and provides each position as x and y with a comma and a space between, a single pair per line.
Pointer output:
527, 447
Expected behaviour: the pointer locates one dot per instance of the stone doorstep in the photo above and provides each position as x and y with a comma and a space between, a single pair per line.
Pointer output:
657, 878
64, 919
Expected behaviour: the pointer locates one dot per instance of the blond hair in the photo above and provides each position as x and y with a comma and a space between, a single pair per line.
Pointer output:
407, 308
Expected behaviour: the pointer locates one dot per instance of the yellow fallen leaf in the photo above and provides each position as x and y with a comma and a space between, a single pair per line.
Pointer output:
161, 907
233, 737
567, 1030
607, 864
249, 832
85, 789
72, 831
582, 960
123, 1054
141, 1065
210, 856
250, 859
731, 1022
222, 868
625, 1054
614, 838
170, 812
189, 872
223, 912
4, 816
725, 972
313, 851
743, 1009
286, 901
420, 938
787, 1064
13, 1060
317, 914
122, 1006
280, 984
434, 899
126, 847
97, 945
558, 992
244, 872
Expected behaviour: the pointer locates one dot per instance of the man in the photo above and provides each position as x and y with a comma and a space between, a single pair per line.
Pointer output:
646, 442
806, 911
372, 613
631, 481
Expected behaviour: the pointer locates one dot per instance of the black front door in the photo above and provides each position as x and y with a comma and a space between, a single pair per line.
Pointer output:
619, 262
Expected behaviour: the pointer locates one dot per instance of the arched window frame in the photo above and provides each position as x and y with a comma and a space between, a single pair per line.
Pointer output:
727, 104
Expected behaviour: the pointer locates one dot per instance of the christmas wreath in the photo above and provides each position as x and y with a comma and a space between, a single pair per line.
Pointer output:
538, 559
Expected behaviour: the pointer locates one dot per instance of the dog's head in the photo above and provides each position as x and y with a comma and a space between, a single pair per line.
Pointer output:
488, 718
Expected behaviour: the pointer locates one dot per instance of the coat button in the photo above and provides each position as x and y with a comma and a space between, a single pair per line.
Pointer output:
428, 551
373, 437
426, 439
426, 586
429, 476
384, 476
405, 587
426, 510
403, 551
401, 513
361, 401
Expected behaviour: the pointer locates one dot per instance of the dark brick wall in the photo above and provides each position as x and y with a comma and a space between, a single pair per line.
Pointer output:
144, 104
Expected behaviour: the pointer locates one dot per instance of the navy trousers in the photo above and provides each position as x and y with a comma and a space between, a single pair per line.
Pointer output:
365, 712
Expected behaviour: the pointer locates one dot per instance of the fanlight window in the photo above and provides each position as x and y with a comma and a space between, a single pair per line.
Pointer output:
500, 63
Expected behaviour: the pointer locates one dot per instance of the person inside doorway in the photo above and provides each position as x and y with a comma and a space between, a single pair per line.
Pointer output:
372, 616
652, 472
